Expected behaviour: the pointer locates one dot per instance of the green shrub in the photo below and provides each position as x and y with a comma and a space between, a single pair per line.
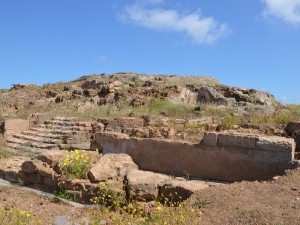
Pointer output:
62, 193
76, 164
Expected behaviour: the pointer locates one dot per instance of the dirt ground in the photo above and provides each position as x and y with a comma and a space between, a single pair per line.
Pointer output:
40, 207
274, 202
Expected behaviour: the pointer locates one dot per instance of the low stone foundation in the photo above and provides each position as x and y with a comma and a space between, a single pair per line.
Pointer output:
219, 156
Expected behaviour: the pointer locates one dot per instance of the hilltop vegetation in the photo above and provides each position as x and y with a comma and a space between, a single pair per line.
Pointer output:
130, 94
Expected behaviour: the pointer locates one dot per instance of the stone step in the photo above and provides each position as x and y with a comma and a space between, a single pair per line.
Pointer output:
44, 135
58, 132
38, 139
65, 118
56, 127
70, 133
61, 123
43, 145
74, 141
16, 148
13, 145
17, 141
82, 146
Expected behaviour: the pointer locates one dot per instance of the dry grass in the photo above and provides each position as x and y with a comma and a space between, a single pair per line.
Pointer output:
4, 153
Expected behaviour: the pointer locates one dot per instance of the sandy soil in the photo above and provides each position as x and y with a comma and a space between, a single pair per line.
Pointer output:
275, 202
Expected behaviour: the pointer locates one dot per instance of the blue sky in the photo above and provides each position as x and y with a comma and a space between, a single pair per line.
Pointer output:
248, 43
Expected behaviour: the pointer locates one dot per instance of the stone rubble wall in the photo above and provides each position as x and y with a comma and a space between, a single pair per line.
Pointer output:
219, 156
157, 127
114, 171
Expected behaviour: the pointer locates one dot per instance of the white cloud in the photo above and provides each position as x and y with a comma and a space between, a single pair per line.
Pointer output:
286, 10
200, 29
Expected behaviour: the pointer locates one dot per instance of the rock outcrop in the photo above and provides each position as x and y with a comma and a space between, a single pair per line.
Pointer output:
111, 166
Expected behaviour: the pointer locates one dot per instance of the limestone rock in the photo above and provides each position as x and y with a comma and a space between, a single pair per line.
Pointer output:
130, 122
111, 166
278, 144
98, 127
10, 167
138, 101
90, 93
38, 167
92, 84
180, 190
210, 95
237, 140
59, 98
144, 185
52, 157
210, 139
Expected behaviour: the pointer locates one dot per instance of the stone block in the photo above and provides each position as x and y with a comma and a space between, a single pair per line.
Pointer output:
277, 144
52, 157
260, 155
130, 122
50, 182
34, 178
23, 176
11, 175
210, 139
46, 172
180, 190
195, 123
144, 185
237, 140
113, 128
285, 156
98, 127
16, 125
76, 185
111, 166
31, 166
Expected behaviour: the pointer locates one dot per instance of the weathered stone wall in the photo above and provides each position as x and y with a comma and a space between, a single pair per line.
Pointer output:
220, 156
12, 126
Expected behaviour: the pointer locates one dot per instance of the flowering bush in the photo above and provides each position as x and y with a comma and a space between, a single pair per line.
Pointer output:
76, 164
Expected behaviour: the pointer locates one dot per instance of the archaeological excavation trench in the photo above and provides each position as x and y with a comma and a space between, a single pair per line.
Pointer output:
219, 156
149, 165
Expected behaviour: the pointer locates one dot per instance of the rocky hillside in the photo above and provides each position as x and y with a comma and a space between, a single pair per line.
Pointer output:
139, 95
134, 89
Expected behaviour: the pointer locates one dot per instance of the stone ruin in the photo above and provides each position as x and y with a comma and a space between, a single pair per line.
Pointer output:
136, 89
150, 156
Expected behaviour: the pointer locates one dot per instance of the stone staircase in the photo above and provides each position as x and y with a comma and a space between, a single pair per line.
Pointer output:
57, 133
